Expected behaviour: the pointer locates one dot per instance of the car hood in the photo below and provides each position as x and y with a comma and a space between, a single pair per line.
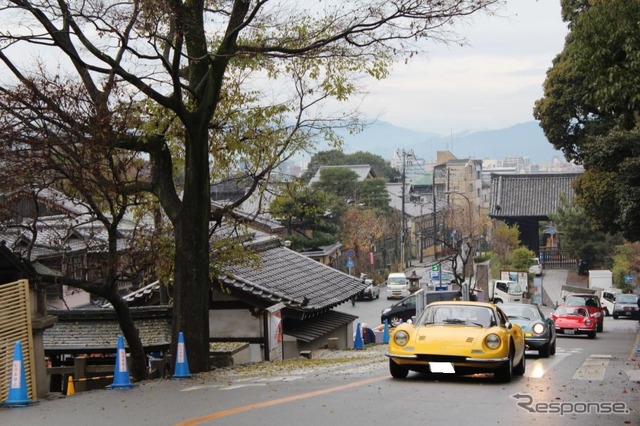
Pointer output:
525, 325
450, 334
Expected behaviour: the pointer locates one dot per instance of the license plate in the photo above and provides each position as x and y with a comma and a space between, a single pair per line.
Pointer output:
569, 332
627, 308
441, 367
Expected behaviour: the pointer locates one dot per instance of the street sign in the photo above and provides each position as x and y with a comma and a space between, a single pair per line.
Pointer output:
442, 288
435, 275
350, 263
350, 253
434, 267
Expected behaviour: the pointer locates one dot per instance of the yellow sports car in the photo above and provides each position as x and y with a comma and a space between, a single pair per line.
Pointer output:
460, 338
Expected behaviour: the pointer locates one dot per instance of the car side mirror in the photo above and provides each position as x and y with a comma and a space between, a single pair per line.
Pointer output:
508, 325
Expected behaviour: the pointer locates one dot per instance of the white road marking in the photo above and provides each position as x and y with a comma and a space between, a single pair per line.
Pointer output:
243, 386
192, 388
591, 369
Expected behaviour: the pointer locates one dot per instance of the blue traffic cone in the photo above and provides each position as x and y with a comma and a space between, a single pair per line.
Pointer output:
181, 370
385, 332
121, 378
358, 343
18, 385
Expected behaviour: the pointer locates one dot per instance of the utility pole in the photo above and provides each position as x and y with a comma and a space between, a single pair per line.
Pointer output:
404, 155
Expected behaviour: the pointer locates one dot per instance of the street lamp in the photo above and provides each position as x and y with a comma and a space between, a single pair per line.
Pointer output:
469, 242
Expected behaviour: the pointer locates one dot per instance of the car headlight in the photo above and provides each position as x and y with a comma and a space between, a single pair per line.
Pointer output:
401, 338
538, 328
492, 341
587, 322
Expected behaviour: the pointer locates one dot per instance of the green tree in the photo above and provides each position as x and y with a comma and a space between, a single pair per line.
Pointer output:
172, 81
579, 238
373, 194
341, 182
505, 239
591, 107
306, 215
520, 259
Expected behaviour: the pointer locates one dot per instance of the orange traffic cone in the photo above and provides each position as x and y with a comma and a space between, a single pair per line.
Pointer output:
71, 388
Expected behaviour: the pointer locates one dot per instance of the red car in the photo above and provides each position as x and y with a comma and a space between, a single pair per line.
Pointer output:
589, 301
572, 320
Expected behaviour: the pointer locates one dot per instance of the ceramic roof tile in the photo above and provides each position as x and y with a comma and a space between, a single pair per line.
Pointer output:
531, 195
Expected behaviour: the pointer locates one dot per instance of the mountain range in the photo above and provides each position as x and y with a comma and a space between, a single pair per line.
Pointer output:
520, 140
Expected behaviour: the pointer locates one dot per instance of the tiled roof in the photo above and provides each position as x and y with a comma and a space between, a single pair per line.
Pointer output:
529, 195
140, 293
293, 279
362, 170
313, 328
86, 331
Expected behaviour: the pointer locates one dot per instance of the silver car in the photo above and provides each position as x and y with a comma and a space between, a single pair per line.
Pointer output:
626, 306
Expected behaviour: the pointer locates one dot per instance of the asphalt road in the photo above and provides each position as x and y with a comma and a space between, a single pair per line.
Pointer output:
583, 373
587, 382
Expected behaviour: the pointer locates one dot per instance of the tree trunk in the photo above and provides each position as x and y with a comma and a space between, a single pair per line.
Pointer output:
192, 284
139, 369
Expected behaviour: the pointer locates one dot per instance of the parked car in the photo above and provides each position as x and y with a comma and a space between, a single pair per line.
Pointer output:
459, 338
536, 268
574, 320
405, 309
626, 306
592, 303
539, 330
371, 292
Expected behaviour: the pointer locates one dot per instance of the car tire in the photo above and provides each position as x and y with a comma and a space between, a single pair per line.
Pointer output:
545, 350
552, 351
395, 321
504, 373
600, 326
519, 369
397, 371
592, 334
615, 316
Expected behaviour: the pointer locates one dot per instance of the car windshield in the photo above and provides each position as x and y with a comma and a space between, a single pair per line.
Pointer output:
396, 280
525, 312
627, 298
571, 311
591, 301
480, 316
514, 288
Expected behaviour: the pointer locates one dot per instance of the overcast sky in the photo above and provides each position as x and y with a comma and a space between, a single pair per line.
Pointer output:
490, 84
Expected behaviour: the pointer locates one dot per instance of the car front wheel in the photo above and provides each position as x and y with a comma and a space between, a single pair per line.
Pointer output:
545, 350
504, 373
521, 367
395, 321
600, 326
397, 371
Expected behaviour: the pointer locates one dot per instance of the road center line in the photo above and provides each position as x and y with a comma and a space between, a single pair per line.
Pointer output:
241, 409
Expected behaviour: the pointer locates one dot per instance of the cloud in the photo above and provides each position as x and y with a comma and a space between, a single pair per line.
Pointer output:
491, 83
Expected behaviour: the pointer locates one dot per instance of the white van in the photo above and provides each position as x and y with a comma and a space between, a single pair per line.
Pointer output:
397, 286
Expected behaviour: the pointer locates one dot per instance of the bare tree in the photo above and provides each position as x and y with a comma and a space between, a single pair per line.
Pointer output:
187, 62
